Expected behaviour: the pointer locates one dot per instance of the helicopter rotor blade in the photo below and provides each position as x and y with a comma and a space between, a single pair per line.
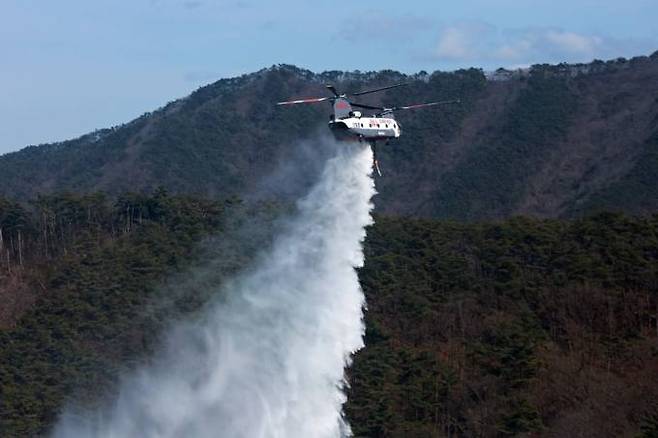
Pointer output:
360, 93
312, 100
333, 90
424, 105
360, 105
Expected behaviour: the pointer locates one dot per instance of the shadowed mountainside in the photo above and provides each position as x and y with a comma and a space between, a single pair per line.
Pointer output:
554, 141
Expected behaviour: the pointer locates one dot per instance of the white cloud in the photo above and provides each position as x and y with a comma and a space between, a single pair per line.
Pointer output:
454, 44
511, 51
477, 43
462, 41
483, 44
573, 42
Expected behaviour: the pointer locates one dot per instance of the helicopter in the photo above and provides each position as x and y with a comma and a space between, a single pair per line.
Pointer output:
346, 124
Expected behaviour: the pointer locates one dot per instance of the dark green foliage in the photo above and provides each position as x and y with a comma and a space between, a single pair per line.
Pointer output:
15, 226
506, 329
637, 190
93, 321
73, 164
522, 418
649, 427
508, 353
499, 329
490, 181
424, 133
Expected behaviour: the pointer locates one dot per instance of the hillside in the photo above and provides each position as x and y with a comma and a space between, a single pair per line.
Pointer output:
523, 326
555, 141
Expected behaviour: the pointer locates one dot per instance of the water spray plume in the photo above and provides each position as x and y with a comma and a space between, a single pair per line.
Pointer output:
268, 361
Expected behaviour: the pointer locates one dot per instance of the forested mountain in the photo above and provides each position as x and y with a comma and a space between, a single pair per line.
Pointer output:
521, 328
553, 141
527, 326
511, 274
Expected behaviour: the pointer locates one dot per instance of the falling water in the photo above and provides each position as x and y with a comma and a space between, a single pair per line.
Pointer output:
268, 361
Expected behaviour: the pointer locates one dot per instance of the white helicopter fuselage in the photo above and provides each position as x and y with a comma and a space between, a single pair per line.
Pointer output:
369, 129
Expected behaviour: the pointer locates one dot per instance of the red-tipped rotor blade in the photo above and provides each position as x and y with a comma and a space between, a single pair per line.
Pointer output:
295, 102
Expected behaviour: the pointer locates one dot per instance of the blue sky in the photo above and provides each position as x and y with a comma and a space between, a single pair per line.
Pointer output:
71, 66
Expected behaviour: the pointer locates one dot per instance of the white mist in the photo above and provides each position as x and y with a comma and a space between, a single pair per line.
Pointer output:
269, 360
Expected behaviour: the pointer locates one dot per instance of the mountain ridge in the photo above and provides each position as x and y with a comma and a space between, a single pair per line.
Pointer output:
548, 141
